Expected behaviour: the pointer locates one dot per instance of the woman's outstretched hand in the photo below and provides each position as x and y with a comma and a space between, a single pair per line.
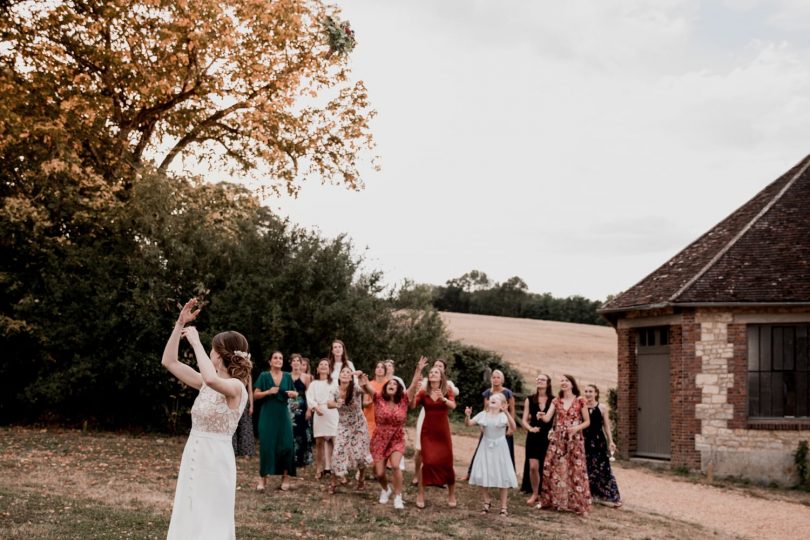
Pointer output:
189, 313
191, 334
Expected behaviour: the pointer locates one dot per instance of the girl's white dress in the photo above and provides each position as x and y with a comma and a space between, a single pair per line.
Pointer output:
492, 466
206, 485
318, 393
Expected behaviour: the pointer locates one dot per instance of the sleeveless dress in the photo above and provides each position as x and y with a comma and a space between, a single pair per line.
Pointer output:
536, 444
601, 480
389, 436
436, 442
510, 439
276, 445
492, 466
302, 433
351, 443
565, 476
206, 484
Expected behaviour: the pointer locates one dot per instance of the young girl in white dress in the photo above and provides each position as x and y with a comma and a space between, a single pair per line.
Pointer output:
206, 484
492, 466
325, 420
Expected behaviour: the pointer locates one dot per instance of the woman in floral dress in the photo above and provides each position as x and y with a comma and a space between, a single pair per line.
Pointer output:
352, 441
302, 431
565, 476
598, 440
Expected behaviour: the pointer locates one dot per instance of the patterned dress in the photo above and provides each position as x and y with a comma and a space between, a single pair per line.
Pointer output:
565, 475
536, 444
351, 443
302, 431
206, 484
389, 436
602, 482
437, 444
276, 445
244, 444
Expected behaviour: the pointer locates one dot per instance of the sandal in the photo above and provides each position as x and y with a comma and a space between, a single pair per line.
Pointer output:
486, 507
260, 488
503, 512
532, 500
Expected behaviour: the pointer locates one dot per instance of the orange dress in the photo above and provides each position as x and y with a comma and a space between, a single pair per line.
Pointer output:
368, 409
437, 445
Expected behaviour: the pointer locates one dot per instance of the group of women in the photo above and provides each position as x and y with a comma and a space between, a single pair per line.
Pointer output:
344, 421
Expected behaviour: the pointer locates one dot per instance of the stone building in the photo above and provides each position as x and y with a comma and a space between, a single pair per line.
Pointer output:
714, 346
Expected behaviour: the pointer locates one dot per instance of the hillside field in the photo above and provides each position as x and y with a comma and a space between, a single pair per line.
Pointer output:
587, 352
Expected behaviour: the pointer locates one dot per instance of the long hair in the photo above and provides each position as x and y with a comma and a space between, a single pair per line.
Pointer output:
398, 395
574, 387
332, 358
227, 344
595, 389
442, 382
349, 388
549, 391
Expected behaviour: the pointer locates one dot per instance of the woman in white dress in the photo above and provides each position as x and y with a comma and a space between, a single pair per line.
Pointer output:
325, 420
206, 484
492, 466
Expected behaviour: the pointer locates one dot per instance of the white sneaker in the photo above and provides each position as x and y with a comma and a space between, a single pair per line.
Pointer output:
385, 494
398, 504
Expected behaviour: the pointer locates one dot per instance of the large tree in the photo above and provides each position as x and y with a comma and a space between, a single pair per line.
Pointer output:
102, 87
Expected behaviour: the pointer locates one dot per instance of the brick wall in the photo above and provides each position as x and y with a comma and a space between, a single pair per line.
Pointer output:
684, 394
627, 392
738, 367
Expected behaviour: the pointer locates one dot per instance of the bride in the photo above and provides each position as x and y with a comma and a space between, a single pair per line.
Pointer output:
206, 485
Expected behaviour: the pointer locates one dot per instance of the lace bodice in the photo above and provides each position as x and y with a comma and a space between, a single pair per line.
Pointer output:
211, 413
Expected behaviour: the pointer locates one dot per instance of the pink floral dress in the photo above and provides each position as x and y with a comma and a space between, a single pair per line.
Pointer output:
389, 435
352, 441
565, 473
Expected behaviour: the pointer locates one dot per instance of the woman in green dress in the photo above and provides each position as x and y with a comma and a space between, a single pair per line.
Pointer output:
276, 445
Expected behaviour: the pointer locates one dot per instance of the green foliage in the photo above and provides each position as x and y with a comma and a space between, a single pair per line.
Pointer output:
800, 459
469, 368
475, 293
613, 405
83, 323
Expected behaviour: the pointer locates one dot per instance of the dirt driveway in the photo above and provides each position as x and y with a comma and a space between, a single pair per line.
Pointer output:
589, 352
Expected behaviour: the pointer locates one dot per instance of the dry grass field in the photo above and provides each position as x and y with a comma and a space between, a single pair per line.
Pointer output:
585, 351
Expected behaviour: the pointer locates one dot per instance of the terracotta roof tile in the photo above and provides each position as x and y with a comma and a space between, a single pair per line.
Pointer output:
758, 254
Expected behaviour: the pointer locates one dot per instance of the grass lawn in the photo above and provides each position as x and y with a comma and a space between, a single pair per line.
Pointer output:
62, 484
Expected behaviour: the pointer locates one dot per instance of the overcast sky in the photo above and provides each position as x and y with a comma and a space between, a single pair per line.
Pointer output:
578, 145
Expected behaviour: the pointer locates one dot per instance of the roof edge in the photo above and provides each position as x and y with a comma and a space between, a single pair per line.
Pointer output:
649, 307
719, 255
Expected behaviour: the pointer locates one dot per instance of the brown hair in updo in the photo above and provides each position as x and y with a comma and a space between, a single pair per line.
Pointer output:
226, 344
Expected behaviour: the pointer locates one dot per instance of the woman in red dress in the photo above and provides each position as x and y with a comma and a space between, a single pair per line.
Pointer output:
388, 442
437, 445
565, 473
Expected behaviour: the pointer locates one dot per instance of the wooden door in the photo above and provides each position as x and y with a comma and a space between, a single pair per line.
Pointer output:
653, 436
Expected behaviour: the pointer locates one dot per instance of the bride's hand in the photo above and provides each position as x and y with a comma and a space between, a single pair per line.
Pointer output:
188, 313
191, 335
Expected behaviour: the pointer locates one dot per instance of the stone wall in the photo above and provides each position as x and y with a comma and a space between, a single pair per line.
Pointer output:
729, 445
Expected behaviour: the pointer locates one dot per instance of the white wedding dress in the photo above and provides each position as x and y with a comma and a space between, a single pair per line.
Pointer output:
206, 485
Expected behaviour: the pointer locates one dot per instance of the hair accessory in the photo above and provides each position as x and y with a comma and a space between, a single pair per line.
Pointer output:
242, 354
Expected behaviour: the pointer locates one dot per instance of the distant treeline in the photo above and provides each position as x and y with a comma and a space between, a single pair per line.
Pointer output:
475, 293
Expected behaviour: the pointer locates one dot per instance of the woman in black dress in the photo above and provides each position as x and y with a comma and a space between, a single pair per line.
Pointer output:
598, 440
534, 408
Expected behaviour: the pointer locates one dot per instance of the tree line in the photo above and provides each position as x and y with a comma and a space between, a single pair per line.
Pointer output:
475, 293
101, 237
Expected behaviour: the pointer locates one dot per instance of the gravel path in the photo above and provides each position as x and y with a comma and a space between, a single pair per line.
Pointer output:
731, 512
